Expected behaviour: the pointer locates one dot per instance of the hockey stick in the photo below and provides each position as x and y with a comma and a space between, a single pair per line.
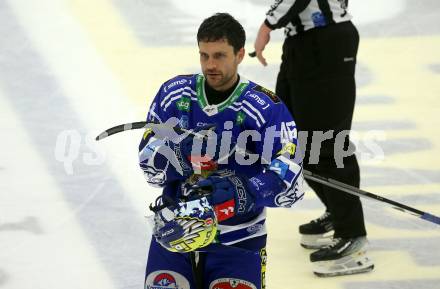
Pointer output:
122, 127
307, 174
364, 194
135, 125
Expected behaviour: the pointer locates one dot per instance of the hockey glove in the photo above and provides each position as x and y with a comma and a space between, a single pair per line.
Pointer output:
163, 164
229, 195
165, 161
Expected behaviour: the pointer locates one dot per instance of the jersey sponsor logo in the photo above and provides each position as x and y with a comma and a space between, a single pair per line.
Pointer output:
201, 123
165, 279
179, 157
210, 110
225, 210
184, 104
263, 256
257, 98
241, 194
174, 83
256, 182
255, 228
239, 119
279, 167
231, 283
267, 92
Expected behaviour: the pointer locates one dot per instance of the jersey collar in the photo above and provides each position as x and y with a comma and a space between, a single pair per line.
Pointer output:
211, 109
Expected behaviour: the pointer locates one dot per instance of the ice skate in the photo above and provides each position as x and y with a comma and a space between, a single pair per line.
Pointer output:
342, 257
317, 233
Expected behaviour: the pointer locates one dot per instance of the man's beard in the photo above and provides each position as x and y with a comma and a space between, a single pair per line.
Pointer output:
219, 79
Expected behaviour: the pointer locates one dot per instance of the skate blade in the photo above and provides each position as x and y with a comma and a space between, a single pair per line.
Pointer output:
353, 264
317, 241
349, 272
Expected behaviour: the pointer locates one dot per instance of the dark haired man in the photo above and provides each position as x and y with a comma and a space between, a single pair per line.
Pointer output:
239, 188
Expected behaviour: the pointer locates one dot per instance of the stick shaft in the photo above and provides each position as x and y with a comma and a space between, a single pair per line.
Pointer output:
364, 194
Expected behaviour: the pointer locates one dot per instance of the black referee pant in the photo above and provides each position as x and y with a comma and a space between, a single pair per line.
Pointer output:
316, 81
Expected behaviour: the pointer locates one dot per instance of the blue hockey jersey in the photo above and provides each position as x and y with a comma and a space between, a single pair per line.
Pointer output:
255, 119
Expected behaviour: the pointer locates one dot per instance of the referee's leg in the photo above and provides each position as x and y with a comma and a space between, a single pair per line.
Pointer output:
324, 100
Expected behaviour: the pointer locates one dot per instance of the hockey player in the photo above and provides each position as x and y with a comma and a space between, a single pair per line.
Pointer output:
237, 115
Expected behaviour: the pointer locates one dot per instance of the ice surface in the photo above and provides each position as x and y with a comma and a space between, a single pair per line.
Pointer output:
72, 210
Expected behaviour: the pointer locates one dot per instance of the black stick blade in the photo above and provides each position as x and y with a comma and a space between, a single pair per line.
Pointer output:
120, 128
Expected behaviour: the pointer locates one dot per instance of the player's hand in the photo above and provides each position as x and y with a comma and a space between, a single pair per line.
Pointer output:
229, 195
190, 145
167, 160
263, 38
163, 164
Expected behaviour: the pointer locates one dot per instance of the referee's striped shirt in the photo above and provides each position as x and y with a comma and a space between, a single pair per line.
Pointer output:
297, 16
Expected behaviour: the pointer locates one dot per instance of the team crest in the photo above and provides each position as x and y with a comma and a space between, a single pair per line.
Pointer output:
165, 279
231, 283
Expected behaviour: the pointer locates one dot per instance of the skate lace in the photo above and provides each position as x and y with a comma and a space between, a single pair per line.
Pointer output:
322, 217
334, 242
